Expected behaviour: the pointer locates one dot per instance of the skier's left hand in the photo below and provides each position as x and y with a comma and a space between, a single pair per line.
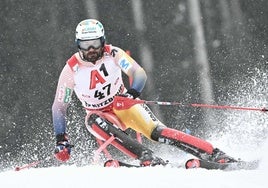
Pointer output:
131, 93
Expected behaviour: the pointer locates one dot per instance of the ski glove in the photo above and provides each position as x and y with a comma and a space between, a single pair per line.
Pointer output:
131, 93
63, 148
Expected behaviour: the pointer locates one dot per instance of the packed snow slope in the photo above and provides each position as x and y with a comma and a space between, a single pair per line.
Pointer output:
156, 177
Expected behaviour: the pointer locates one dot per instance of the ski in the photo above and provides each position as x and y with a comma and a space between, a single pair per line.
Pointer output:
197, 163
239, 165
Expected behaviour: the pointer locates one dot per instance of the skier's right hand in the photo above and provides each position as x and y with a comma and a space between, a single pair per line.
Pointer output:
63, 148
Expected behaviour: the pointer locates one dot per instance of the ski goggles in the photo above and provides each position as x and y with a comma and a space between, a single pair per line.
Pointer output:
87, 44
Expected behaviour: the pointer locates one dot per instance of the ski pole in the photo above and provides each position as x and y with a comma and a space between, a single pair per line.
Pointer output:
32, 164
125, 103
18, 168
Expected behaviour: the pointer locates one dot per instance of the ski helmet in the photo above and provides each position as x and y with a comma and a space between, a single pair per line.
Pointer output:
89, 29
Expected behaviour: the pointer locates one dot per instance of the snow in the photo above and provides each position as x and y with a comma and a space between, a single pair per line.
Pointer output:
98, 176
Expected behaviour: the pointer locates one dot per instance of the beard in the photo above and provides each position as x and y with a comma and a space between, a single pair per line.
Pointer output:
91, 56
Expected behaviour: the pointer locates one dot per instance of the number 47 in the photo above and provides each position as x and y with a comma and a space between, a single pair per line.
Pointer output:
105, 92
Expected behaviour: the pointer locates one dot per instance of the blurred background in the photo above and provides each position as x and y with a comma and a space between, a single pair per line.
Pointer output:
194, 51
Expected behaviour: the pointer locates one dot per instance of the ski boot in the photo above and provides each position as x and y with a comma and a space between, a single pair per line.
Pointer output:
220, 157
148, 160
217, 160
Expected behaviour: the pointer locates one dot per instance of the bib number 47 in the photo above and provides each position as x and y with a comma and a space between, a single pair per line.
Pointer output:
105, 92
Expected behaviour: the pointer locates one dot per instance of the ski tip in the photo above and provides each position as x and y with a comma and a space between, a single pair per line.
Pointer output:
244, 165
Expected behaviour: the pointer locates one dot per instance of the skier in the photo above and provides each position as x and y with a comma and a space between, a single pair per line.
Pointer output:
94, 73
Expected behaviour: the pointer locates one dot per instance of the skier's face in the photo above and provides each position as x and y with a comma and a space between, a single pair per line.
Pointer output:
91, 50
92, 55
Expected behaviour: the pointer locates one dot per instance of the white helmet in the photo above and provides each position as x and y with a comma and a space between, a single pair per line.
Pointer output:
89, 29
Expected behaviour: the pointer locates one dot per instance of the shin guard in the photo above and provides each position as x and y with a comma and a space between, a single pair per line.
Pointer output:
105, 129
185, 142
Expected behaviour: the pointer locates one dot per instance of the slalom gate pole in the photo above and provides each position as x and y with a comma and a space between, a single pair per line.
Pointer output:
32, 164
125, 103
